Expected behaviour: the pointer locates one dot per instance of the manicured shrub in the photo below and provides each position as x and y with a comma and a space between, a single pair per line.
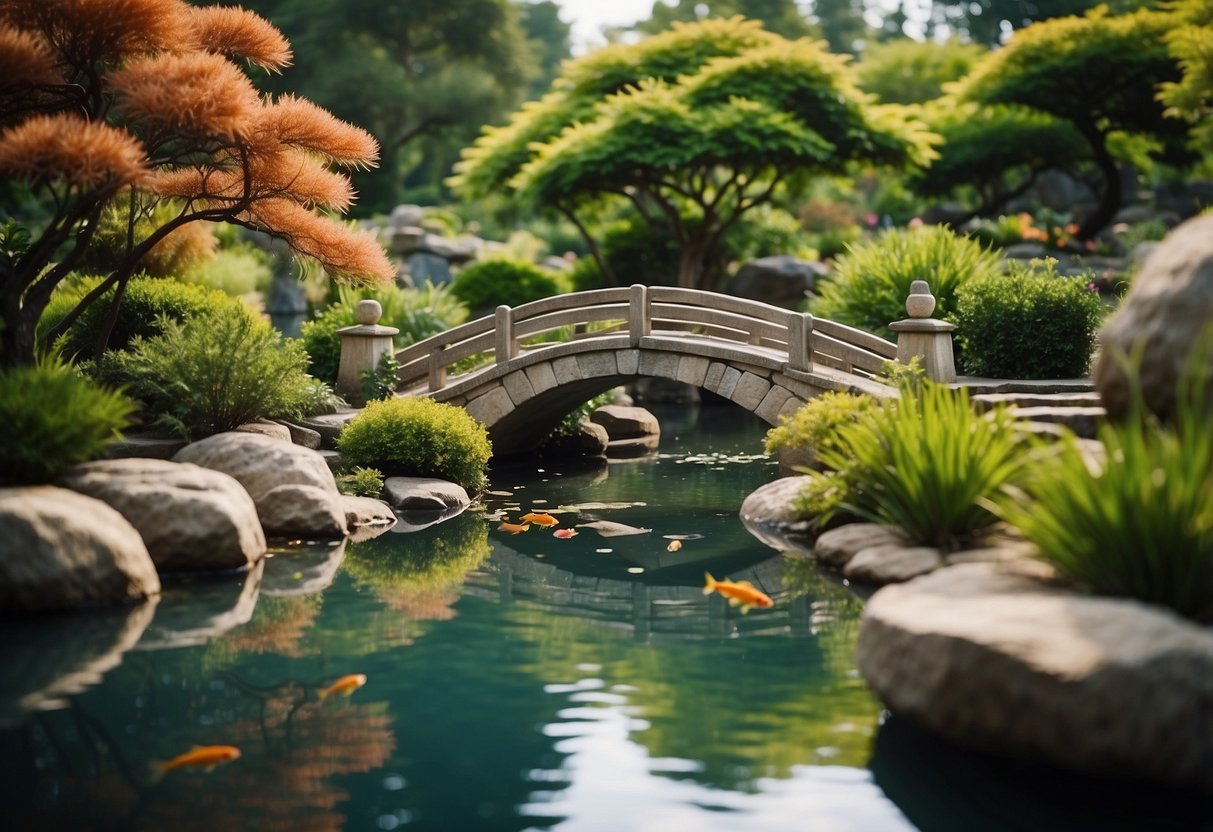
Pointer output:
1137, 522
1027, 323
486, 284
816, 424
926, 463
214, 372
51, 418
147, 303
361, 482
417, 313
419, 437
870, 282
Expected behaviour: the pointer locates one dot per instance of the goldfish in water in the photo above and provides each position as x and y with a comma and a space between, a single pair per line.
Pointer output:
740, 594
564, 534
205, 757
674, 546
513, 528
344, 686
540, 519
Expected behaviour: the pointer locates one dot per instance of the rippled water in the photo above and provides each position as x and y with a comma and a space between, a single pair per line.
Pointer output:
514, 681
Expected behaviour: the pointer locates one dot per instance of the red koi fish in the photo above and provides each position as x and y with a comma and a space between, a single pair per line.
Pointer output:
540, 519
344, 686
564, 534
740, 594
513, 528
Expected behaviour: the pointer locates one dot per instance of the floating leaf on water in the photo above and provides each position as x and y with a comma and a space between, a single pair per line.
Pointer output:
500, 493
606, 528
539, 502
604, 551
682, 537
636, 570
601, 506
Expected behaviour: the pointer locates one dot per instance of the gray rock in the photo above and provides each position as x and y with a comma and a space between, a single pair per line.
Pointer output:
60, 550
1083, 421
1168, 307
892, 563
190, 518
609, 528
771, 504
144, 447
1007, 663
302, 511
837, 546
330, 425
273, 430
300, 435
425, 494
626, 422
782, 280
366, 511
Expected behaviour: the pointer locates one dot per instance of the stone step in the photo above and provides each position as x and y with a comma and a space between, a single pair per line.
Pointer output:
985, 401
1084, 421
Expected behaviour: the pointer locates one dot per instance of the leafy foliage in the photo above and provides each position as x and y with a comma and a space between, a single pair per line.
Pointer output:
487, 284
905, 71
361, 482
815, 424
1188, 42
870, 283
1138, 522
51, 418
421, 561
418, 437
925, 463
1028, 323
216, 371
381, 382
417, 313
148, 303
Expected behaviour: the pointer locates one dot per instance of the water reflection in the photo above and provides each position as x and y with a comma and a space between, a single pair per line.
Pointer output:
194, 611
302, 570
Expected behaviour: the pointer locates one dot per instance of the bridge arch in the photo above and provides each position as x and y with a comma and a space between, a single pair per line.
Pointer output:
767, 360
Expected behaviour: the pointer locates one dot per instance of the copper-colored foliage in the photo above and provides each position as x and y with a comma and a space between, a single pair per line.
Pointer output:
238, 33
301, 178
24, 59
196, 93
68, 148
279, 633
346, 254
421, 603
185, 247
90, 31
299, 122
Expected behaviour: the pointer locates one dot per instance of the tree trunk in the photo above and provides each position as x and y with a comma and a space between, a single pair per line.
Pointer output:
691, 271
1109, 198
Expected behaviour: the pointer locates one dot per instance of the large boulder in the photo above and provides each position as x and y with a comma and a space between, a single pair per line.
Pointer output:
425, 494
1165, 313
998, 659
60, 550
781, 280
767, 514
263, 466
626, 422
190, 518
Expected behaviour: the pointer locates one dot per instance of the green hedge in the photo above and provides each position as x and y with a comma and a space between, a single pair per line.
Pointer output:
487, 284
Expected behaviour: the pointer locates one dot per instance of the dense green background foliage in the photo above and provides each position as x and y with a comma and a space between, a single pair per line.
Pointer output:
51, 418
487, 284
418, 437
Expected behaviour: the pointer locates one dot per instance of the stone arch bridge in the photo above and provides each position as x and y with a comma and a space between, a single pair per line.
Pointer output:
522, 370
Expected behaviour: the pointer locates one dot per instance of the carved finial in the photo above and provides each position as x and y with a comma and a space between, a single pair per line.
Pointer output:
920, 303
368, 312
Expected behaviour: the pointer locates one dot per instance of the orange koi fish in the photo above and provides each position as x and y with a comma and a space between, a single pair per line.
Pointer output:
205, 757
564, 534
540, 519
740, 594
344, 686
513, 528
674, 546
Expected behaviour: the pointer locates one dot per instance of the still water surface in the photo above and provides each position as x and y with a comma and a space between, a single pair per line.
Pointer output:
514, 681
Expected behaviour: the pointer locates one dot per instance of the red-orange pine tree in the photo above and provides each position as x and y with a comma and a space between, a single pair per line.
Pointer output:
140, 103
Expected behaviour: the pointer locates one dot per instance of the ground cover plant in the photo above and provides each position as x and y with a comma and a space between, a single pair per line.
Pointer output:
52, 417
418, 437
1028, 322
1136, 521
870, 282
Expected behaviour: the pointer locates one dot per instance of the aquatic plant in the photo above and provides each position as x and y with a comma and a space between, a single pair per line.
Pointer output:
51, 417
419, 437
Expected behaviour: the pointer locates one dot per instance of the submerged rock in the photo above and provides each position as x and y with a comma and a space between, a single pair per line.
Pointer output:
60, 550
190, 518
626, 422
1000, 660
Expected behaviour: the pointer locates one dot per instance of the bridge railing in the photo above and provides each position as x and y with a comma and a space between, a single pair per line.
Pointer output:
644, 312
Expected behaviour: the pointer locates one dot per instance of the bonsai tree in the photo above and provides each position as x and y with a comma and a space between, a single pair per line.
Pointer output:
1192, 96
692, 127
1099, 73
142, 105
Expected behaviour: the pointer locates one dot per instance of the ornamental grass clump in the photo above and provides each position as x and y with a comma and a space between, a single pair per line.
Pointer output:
1137, 522
419, 437
926, 463
51, 418
1030, 322
870, 282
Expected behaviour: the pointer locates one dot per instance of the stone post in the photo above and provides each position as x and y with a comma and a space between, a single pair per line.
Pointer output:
361, 348
924, 336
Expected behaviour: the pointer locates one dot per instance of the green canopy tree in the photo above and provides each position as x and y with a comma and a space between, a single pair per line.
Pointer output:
1192, 96
692, 127
905, 71
783, 17
1100, 74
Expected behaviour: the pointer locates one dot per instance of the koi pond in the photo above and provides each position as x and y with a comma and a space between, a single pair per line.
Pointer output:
513, 682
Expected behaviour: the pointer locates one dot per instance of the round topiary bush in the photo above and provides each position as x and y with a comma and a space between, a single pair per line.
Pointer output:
490, 283
1028, 323
418, 437
51, 418
870, 283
